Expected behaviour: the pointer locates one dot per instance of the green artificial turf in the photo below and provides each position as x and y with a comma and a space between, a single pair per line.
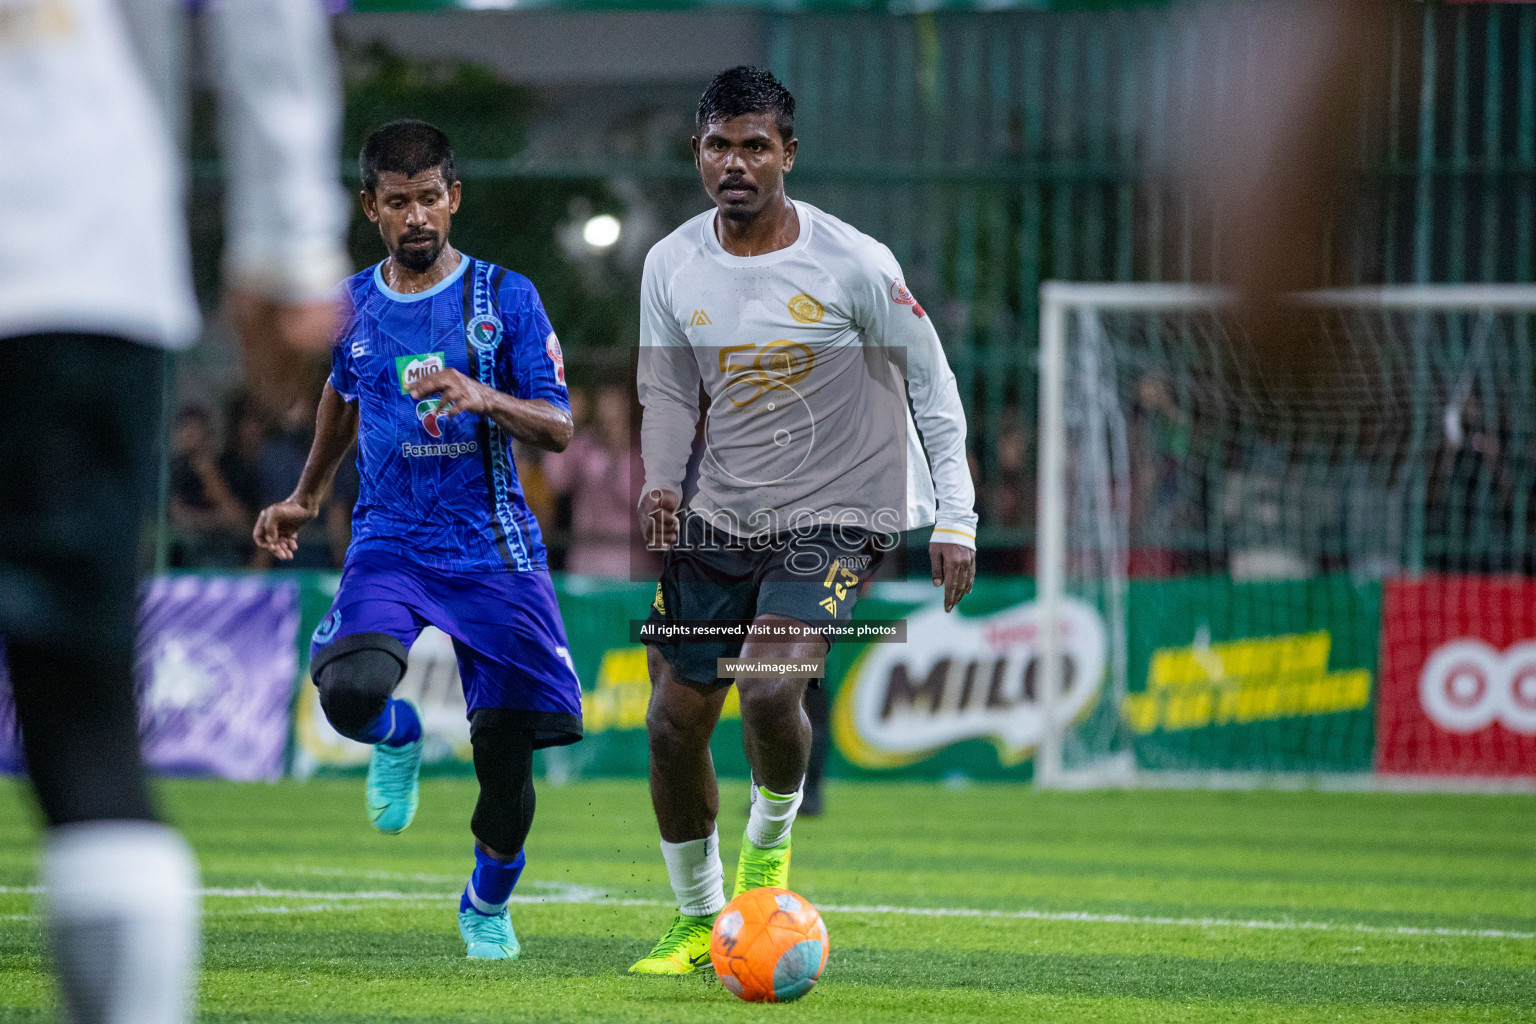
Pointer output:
1192, 906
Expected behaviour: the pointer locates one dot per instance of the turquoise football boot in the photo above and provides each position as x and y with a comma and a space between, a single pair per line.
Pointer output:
488, 938
394, 786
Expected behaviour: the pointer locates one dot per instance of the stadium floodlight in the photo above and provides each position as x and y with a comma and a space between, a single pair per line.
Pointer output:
1281, 574
601, 231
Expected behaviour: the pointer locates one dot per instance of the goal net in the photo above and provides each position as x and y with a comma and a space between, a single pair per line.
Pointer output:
1330, 582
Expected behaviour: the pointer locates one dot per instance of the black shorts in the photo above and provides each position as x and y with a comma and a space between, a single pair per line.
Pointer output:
708, 575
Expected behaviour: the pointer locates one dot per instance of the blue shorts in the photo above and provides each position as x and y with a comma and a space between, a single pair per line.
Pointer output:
506, 630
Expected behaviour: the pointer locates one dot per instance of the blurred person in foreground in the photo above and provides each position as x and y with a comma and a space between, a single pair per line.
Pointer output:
95, 287
1273, 133
598, 472
444, 360
811, 348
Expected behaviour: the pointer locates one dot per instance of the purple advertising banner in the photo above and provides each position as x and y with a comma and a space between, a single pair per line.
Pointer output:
217, 659
10, 750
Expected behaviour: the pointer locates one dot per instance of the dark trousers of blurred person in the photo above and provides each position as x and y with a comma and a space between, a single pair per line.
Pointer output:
75, 478
818, 708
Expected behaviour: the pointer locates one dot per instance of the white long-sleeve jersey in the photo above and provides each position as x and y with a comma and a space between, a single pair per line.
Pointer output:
96, 234
830, 399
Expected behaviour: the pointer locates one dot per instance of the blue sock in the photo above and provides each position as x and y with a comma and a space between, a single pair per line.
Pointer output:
491, 884
396, 726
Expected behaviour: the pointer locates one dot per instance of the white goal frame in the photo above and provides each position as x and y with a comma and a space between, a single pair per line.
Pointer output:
1058, 300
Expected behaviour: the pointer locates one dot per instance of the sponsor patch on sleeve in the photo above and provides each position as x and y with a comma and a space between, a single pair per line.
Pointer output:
552, 346
902, 297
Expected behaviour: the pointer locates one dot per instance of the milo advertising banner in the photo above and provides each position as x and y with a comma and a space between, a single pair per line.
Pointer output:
957, 697
960, 696
1218, 675
964, 678
1252, 676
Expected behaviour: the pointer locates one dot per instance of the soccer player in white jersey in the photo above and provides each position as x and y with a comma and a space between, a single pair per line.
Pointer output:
833, 426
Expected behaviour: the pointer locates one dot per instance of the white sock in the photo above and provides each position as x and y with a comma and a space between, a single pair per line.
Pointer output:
698, 880
772, 815
123, 915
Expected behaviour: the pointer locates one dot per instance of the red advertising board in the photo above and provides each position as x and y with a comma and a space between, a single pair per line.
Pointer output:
1457, 689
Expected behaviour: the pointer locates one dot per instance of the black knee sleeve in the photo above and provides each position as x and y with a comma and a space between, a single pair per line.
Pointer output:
356, 675
503, 747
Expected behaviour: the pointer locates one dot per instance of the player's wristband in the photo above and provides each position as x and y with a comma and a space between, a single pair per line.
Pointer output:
960, 535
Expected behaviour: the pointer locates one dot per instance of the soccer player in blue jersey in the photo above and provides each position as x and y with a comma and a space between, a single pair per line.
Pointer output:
444, 359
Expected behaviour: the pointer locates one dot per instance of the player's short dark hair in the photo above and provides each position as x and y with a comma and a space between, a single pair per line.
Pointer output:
747, 90
407, 147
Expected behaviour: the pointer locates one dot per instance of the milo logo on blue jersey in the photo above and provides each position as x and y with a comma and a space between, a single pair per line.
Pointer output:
484, 332
413, 368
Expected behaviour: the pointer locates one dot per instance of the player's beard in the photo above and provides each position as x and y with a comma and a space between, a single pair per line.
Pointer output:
746, 212
736, 213
419, 260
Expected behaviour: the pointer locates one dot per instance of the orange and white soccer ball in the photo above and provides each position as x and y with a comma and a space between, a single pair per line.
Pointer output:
769, 946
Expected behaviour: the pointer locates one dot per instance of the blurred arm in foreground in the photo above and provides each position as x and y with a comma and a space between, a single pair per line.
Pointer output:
1273, 155
285, 213
100, 285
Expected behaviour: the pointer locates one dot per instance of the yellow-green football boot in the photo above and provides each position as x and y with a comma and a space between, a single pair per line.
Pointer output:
682, 950
757, 868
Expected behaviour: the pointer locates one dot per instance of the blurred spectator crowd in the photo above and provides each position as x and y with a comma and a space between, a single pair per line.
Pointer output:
226, 466
1201, 494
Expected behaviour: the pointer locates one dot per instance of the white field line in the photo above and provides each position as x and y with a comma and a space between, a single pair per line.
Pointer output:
384, 876
577, 895
1182, 922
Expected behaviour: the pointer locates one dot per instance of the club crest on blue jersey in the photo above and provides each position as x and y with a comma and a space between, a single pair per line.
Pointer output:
484, 332
326, 631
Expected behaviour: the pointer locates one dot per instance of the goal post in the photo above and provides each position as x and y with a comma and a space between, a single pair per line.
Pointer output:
1334, 589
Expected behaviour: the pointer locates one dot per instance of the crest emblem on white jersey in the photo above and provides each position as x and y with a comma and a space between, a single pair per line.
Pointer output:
806, 309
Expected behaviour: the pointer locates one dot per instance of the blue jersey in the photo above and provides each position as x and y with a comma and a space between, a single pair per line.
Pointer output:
443, 491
